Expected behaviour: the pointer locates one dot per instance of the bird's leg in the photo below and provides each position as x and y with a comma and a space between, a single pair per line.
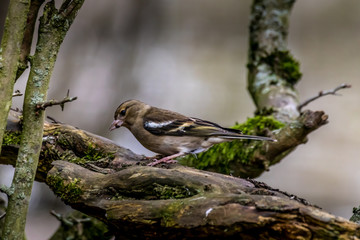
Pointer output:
154, 157
168, 159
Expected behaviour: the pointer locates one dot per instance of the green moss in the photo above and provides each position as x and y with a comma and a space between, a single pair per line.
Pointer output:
169, 192
220, 156
284, 65
93, 154
90, 154
68, 191
356, 215
258, 124
170, 213
11, 138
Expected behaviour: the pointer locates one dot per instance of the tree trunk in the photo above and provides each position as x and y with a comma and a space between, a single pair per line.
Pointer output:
53, 27
9, 56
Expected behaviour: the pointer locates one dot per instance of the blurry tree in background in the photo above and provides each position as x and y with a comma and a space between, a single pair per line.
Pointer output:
276, 96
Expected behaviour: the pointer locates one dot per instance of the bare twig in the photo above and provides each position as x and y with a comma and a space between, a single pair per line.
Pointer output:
3, 215
55, 214
323, 93
61, 218
53, 120
16, 110
17, 93
68, 220
44, 105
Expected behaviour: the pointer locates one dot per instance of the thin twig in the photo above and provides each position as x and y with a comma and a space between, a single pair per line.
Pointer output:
3, 215
54, 120
16, 110
55, 214
80, 220
323, 93
63, 220
68, 220
17, 93
44, 105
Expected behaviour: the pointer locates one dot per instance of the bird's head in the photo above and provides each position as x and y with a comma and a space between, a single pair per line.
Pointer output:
127, 113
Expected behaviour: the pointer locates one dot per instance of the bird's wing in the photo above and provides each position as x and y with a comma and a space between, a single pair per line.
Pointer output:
179, 125
163, 122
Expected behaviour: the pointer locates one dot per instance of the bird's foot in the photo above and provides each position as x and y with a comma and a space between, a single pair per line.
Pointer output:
163, 160
168, 159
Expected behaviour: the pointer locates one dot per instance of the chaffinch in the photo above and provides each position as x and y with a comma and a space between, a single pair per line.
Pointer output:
172, 134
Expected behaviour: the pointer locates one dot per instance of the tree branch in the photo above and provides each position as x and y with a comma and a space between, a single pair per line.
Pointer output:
44, 105
112, 184
252, 158
189, 203
322, 94
28, 36
272, 76
77, 225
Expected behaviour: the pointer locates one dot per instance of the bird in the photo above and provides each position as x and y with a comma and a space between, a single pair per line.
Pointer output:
172, 134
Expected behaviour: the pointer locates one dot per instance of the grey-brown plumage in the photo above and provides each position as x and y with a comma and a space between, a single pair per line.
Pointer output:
172, 134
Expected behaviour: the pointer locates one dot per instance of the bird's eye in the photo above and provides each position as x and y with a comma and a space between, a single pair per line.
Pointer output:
123, 112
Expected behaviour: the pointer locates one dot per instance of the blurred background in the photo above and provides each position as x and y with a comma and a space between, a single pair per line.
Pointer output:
190, 57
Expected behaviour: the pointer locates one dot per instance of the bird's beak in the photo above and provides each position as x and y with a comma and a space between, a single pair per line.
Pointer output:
115, 124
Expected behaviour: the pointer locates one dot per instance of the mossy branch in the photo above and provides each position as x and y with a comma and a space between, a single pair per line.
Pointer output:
251, 158
208, 203
114, 185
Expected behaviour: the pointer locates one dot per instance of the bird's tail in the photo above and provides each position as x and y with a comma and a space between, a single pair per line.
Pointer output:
252, 137
237, 134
